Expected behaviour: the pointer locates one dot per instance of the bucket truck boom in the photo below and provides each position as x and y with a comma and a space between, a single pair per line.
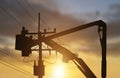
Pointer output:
85, 69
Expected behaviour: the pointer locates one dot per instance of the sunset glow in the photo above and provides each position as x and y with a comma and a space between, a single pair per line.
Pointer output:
59, 71
57, 16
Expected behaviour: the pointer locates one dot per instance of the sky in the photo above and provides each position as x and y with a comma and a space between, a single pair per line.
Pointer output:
62, 15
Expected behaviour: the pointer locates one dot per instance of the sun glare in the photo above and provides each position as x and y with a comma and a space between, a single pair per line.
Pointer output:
59, 71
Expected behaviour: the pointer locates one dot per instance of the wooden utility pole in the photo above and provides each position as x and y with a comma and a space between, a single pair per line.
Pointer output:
40, 62
41, 68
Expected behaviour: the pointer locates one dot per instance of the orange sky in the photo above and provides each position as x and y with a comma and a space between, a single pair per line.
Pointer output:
12, 68
62, 15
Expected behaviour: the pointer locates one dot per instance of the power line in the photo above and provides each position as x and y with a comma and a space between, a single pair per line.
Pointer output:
15, 67
22, 4
26, 1
11, 66
11, 15
33, 10
30, 6
6, 53
25, 9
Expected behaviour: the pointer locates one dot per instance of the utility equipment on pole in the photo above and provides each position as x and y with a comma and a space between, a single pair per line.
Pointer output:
24, 43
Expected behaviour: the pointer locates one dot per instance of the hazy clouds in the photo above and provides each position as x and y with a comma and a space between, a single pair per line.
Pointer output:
13, 16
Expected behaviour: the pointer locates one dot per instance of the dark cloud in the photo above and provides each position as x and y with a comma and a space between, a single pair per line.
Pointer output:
113, 18
113, 21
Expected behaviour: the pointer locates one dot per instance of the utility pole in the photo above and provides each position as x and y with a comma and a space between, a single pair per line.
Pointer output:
40, 69
40, 62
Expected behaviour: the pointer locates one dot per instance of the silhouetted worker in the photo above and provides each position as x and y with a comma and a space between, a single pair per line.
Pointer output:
21, 39
24, 31
26, 49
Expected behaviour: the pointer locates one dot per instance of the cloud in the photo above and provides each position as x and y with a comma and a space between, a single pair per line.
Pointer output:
86, 40
90, 36
113, 20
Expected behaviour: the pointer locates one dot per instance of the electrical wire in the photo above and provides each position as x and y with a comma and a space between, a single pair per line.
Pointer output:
11, 15
6, 53
25, 9
15, 67
11, 66
3, 53
30, 6
26, 1
11, 56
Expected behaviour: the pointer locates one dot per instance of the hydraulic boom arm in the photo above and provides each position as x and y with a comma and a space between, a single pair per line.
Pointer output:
102, 33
